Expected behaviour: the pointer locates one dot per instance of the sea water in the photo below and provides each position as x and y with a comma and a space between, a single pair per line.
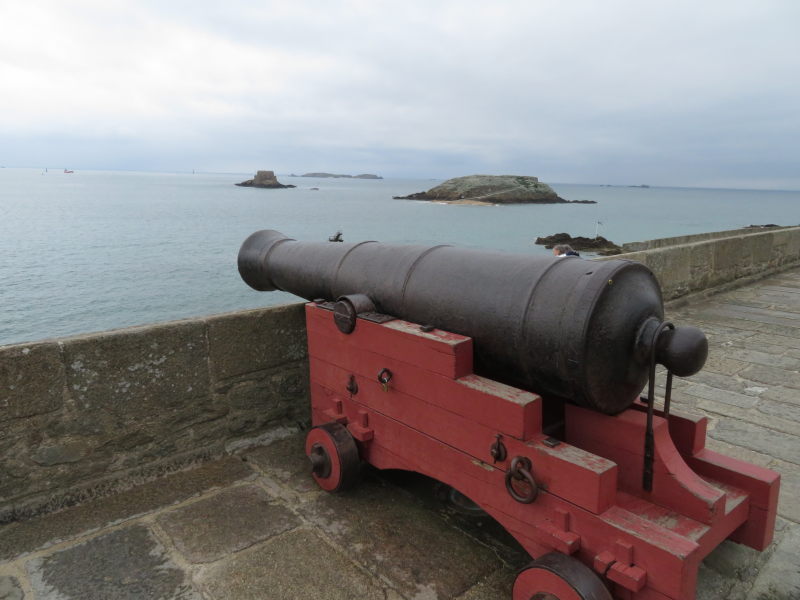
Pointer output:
94, 250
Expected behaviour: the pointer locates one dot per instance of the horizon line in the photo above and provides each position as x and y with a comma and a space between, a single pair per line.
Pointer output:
383, 177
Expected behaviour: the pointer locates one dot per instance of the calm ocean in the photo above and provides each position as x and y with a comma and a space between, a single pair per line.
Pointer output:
95, 250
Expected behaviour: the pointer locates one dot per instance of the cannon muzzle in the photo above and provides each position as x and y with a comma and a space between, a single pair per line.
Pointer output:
577, 329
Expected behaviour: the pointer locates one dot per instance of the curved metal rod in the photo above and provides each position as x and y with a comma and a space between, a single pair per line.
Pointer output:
649, 442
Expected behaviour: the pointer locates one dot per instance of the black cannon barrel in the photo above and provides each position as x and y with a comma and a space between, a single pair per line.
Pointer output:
577, 329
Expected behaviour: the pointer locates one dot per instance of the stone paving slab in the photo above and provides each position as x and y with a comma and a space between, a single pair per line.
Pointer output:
10, 589
734, 451
297, 566
788, 504
127, 564
393, 540
728, 572
21, 537
286, 461
232, 520
773, 376
706, 392
782, 394
769, 415
779, 578
497, 586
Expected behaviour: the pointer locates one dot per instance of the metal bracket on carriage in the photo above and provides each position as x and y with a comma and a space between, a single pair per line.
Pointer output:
348, 309
359, 428
335, 414
618, 567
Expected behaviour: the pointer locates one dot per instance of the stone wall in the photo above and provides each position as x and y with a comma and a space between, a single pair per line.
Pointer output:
86, 415
719, 260
682, 240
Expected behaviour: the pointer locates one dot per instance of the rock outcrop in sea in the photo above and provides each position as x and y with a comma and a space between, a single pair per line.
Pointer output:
598, 244
493, 189
264, 179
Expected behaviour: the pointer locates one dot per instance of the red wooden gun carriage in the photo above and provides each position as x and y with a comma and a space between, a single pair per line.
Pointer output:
532, 409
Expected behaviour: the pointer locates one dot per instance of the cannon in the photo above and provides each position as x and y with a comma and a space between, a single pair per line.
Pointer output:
584, 331
517, 381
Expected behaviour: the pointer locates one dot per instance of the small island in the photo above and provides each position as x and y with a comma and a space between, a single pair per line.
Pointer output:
339, 175
493, 189
598, 244
264, 179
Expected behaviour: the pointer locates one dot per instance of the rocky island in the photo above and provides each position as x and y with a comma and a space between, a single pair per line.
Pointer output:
339, 175
493, 189
598, 244
264, 179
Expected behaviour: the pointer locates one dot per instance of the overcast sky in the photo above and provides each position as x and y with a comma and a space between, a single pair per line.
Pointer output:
661, 92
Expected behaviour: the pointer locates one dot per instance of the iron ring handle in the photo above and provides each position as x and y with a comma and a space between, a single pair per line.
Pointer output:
384, 376
520, 470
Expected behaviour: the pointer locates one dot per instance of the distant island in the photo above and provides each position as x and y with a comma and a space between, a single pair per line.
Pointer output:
339, 175
493, 189
264, 179
643, 185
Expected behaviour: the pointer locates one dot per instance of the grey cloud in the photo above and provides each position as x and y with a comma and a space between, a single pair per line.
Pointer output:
619, 91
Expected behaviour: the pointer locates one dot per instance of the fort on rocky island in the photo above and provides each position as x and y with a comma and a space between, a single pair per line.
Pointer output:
493, 189
264, 179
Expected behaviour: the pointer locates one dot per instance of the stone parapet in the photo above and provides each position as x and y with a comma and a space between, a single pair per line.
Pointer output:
86, 415
714, 262
682, 240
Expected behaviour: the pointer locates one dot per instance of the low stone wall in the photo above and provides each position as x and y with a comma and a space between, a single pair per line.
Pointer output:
86, 415
682, 240
719, 260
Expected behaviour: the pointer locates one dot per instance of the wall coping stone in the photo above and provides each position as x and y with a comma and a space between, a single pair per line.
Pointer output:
696, 270
680, 240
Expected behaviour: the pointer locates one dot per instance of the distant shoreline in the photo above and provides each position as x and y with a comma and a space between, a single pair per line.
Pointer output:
338, 176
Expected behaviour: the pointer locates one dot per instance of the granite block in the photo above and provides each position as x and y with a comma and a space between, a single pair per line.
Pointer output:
286, 461
20, 537
230, 521
298, 565
127, 564
10, 588
21, 393
390, 534
256, 340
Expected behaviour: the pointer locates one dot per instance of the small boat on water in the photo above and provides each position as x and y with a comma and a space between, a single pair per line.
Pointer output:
68, 171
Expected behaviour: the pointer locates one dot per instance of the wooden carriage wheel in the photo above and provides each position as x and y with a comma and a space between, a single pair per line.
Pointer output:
333, 453
558, 577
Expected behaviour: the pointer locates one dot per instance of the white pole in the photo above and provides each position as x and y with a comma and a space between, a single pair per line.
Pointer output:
597, 220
